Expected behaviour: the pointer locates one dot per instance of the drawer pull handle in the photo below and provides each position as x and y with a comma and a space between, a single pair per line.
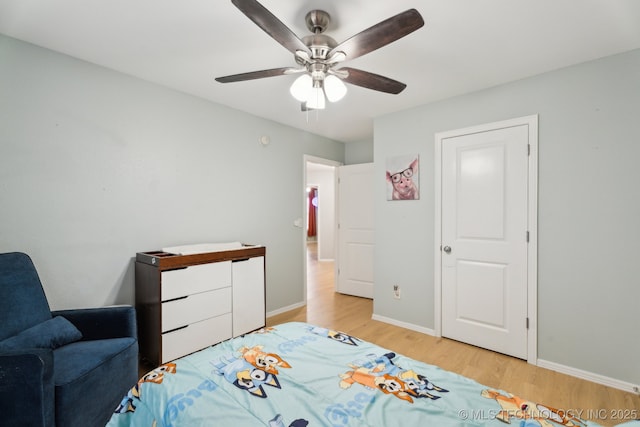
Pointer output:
176, 299
175, 329
241, 260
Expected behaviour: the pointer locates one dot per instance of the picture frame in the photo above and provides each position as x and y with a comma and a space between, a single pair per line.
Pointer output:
403, 177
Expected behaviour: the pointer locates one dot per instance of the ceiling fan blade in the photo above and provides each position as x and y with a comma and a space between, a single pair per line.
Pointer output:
257, 74
381, 34
271, 25
372, 81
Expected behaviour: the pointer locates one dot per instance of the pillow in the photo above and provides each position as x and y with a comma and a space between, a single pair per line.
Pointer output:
52, 334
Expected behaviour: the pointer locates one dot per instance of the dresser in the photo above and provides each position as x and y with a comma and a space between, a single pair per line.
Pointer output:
188, 301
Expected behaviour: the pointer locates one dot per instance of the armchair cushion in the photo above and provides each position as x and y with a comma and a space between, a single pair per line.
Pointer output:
52, 333
99, 371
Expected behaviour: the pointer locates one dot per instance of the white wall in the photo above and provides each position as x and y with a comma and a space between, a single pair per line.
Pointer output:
588, 218
96, 166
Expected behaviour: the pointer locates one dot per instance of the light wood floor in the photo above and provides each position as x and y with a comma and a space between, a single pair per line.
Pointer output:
353, 316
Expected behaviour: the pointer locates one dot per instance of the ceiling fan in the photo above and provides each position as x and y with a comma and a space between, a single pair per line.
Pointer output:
317, 55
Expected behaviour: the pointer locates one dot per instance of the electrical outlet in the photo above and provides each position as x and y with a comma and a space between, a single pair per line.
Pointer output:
396, 291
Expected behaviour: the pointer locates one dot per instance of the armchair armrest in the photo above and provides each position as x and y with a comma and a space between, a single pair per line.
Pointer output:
27, 387
103, 322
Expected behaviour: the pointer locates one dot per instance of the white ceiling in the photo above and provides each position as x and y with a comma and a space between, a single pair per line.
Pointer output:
465, 45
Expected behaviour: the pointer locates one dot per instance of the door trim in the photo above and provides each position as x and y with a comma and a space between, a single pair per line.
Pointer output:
532, 224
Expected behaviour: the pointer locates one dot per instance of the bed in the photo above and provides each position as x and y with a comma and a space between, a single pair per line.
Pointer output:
297, 374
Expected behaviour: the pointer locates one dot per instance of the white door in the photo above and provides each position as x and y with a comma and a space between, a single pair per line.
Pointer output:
484, 202
355, 230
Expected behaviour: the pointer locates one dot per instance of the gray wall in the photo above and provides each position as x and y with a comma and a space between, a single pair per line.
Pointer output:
589, 209
96, 166
358, 152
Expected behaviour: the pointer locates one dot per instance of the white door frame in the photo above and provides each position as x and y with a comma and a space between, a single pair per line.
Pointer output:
532, 225
306, 158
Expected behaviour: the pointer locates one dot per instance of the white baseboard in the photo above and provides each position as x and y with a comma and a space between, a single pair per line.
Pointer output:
590, 376
405, 325
574, 372
285, 309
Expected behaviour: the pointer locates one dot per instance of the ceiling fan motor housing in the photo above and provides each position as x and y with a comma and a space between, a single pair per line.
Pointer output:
320, 45
317, 21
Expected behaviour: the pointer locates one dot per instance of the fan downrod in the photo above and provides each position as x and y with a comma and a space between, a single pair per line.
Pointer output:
317, 21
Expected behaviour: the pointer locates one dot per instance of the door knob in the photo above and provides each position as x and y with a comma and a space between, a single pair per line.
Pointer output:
447, 249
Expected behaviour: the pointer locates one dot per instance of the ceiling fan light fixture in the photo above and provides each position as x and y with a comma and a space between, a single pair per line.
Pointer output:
316, 100
301, 87
334, 88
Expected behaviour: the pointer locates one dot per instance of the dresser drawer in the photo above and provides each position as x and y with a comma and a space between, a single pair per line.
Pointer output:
193, 308
195, 337
195, 279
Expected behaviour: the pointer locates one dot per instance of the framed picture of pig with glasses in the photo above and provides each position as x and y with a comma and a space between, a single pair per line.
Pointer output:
403, 177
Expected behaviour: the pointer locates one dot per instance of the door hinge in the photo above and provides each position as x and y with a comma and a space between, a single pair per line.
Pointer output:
527, 237
527, 323
528, 149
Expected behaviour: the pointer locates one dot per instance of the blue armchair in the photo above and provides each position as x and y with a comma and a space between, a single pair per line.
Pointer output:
61, 368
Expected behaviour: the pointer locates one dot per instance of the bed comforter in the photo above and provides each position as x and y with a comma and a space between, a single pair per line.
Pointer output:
297, 374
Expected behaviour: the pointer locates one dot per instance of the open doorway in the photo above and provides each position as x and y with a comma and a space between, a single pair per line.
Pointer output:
320, 229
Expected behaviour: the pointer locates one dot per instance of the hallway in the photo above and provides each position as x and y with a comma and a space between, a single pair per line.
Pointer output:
325, 306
